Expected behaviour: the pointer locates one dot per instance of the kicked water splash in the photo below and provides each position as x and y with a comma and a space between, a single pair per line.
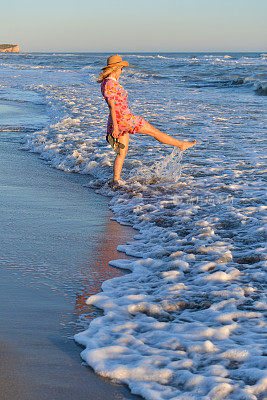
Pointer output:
166, 168
170, 167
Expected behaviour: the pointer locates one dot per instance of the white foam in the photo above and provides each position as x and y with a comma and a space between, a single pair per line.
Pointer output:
187, 322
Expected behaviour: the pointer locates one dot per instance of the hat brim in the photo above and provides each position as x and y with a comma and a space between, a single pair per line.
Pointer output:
118, 64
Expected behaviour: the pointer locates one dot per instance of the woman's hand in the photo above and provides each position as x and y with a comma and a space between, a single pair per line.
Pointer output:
115, 132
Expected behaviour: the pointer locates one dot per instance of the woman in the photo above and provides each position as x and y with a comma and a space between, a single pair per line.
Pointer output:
121, 122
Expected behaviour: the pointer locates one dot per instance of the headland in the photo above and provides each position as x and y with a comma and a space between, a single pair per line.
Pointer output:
9, 48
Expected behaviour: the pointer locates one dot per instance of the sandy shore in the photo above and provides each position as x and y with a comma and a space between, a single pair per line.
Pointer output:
56, 241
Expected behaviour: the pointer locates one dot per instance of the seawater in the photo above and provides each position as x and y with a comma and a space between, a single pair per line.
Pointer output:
187, 323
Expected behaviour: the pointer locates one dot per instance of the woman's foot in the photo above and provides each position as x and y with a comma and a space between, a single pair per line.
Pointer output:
119, 182
186, 145
116, 182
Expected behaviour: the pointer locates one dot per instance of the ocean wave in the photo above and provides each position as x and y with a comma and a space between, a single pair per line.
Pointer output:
166, 58
22, 101
143, 56
17, 128
144, 75
250, 82
87, 67
65, 54
217, 56
180, 65
8, 93
261, 88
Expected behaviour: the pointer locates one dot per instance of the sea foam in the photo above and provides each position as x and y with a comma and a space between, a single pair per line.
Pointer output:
187, 321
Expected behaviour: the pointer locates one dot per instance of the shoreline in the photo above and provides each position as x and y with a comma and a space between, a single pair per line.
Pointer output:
55, 252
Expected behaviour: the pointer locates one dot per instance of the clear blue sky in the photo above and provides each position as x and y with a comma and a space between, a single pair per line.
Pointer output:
138, 25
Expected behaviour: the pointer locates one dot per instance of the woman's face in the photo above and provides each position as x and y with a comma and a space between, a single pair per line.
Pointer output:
118, 72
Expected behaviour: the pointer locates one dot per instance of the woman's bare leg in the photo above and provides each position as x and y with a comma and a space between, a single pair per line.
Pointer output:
118, 163
150, 130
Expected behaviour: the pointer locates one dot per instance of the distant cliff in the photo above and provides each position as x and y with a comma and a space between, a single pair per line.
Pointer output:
9, 48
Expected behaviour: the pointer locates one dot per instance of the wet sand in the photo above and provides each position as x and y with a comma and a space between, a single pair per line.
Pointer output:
56, 240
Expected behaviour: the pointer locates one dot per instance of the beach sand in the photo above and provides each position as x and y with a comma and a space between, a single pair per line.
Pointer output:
56, 241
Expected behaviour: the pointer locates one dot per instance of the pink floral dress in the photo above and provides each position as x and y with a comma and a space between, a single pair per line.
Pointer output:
127, 122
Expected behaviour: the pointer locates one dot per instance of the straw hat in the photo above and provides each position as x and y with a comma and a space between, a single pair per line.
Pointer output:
115, 61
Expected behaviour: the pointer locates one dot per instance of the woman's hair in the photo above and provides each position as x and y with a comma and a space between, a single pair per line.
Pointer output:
106, 73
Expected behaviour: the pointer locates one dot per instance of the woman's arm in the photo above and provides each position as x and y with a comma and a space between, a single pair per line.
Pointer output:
111, 106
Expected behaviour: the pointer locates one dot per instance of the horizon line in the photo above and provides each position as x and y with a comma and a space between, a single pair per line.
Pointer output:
143, 51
